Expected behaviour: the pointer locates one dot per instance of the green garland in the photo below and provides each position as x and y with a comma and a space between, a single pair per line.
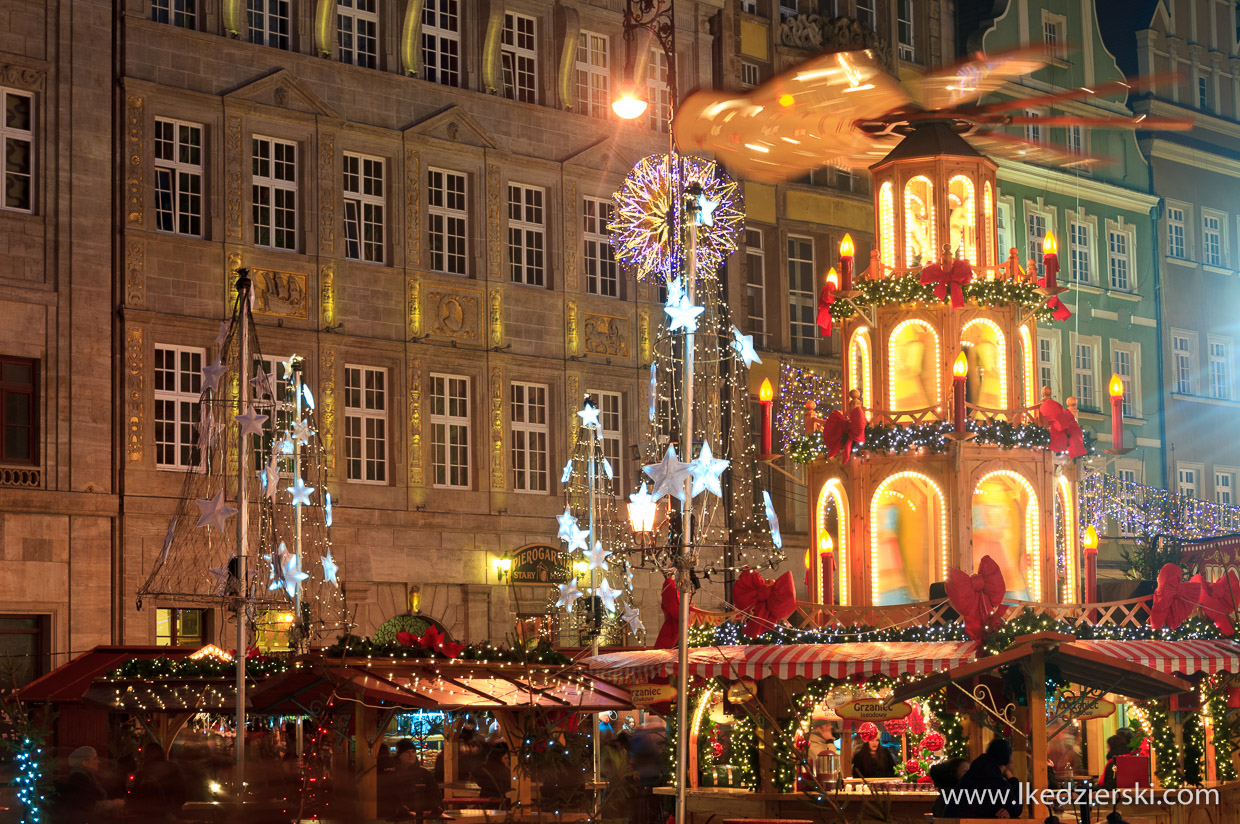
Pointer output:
949, 724
898, 439
1226, 727
1194, 749
908, 288
542, 652
260, 666
1157, 728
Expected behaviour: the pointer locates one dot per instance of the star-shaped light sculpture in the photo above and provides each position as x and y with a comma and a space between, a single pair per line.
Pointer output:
327, 509
567, 522
211, 374
742, 344
293, 576
329, 568
772, 519
607, 595
300, 492
301, 431
682, 314
568, 472
608, 472
277, 568
288, 367
568, 595
669, 475
221, 335
634, 619
220, 574
271, 475
578, 539
262, 384
168, 536
286, 444
207, 431
589, 416
706, 471
251, 422
654, 393
706, 210
213, 512
307, 395
597, 557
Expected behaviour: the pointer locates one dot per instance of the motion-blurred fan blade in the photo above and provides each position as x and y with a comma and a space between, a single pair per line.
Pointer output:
1070, 94
970, 79
1152, 123
998, 144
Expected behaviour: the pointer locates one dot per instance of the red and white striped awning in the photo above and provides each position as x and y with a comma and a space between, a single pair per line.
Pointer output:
1186, 657
786, 661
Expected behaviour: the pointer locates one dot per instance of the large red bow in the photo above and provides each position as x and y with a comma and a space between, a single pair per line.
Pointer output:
1219, 600
1175, 599
839, 433
1057, 307
960, 274
669, 600
766, 602
978, 597
826, 297
432, 640
1065, 429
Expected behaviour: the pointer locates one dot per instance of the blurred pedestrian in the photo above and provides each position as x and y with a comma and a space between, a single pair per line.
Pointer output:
158, 791
419, 794
80, 798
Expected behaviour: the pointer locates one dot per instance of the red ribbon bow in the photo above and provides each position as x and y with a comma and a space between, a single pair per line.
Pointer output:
669, 600
432, 640
978, 597
1065, 429
766, 602
826, 297
1219, 598
1057, 307
944, 280
1175, 599
839, 433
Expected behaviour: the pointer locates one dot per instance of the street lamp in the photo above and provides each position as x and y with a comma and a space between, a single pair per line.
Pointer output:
629, 106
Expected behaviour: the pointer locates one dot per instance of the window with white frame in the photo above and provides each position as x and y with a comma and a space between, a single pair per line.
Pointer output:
1079, 243
363, 208
1074, 137
178, 387
1203, 94
788, 8
610, 431
450, 424
519, 57
528, 420
17, 159
658, 91
755, 283
1085, 374
1183, 354
1188, 479
1224, 487
802, 303
441, 42
866, 14
1126, 362
1003, 229
1119, 260
749, 6
904, 30
365, 424
1212, 239
602, 273
1053, 34
357, 32
1220, 368
267, 22
1036, 227
447, 221
178, 177
526, 231
593, 74
750, 75
182, 13
274, 193
1177, 246
1048, 363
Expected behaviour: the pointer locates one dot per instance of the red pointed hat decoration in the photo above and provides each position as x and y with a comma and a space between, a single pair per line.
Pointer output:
669, 601
826, 297
839, 433
978, 597
432, 640
950, 278
1175, 599
1057, 307
766, 602
1219, 600
1065, 429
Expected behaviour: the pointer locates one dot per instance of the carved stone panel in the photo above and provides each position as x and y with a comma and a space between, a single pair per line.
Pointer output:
455, 314
327, 399
416, 472
281, 294
232, 177
135, 138
497, 428
574, 405
21, 77
643, 336
327, 294
607, 335
327, 199
494, 216
413, 290
572, 339
571, 253
135, 274
495, 321
413, 207
135, 390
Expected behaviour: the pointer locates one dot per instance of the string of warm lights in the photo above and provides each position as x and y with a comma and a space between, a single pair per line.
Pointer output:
1137, 509
908, 288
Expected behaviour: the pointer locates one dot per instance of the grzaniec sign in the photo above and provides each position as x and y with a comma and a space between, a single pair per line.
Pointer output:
872, 709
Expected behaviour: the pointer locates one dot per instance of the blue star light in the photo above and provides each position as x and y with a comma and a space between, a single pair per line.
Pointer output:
683, 314
329, 568
706, 471
706, 210
568, 522
743, 345
300, 492
293, 576
568, 595
327, 509
307, 395
598, 557
669, 475
589, 415
773, 520
607, 595
568, 471
654, 395
578, 539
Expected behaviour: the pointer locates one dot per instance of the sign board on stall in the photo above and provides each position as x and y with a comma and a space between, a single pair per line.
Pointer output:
1103, 709
742, 691
872, 709
539, 564
644, 695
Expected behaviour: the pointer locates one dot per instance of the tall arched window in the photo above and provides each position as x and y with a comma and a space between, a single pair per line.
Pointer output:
912, 366
988, 225
986, 352
908, 539
1006, 527
962, 206
920, 246
861, 365
832, 535
887, 223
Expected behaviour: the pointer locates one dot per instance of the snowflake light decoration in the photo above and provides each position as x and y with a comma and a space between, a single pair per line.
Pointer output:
642, 235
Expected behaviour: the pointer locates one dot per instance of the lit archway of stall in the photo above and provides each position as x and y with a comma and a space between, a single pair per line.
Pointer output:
1065, 540
908, 538
962, 205
913, 380
991, 239
1007, 529
986, 351
831, 543
861, 365
1027, 359
887, 224
920, 237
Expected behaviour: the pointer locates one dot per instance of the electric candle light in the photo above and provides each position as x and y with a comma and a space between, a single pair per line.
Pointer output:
765, 395
1090, 544
826, 560
847, 250
1116, 388
959, 370
1050, 260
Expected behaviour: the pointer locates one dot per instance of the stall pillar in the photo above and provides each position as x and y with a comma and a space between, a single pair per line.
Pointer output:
365, 739
1094, 746
846, 753
511, 731
1021, 755
1037, 728
767, 730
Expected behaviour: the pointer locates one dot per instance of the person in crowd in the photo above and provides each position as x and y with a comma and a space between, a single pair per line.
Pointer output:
1117, 745
946, 775
418, 793
158, 791
494, 774
991, 771
80, 798
872, 760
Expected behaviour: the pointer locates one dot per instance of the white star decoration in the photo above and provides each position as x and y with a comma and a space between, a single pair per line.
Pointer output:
706, 471
589, 415
669, 475
172, 528
222, 335
327, 511
773, 520
288, 368
706, 210
607, 470
307, 395
683, 314
214, 512
220, 574
607, 595
634, 619
251, 422
293, 576
300, 492
301, 431
743, 345
654, 395
567, 524
578, 539
211, 374
642, 496
262, 384
329, 568
568, 471
271, 477
598, 557
568, 595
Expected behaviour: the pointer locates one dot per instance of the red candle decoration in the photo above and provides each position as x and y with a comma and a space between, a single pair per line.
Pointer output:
1050, 259
826, 297
826, 560
1090, 544
1116, 388
959, 370
765, 396
847, 250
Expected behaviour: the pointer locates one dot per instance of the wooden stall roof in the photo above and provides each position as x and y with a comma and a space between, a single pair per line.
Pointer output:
153, 695
1185, 657
438, 684
70, 682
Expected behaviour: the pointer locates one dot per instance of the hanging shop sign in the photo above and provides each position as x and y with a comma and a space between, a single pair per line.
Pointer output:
1102, 709
644, 695
872, 709
539, 564
743, 691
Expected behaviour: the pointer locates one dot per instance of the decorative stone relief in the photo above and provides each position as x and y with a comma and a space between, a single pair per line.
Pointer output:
573, 396
416, 472
280, 294
327, 294
230, 280
643, 336
607, 335
327, 199
232, 177
570, 235
135, 274
816, 32
413, 207
571, 337
135, 406
493, 219
497, 428
135, 136
327, 399
413, 288
456, 314
495, 322
21, 77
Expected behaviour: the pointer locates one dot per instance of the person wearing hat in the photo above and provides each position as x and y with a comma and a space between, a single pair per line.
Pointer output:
81, 799
419, 794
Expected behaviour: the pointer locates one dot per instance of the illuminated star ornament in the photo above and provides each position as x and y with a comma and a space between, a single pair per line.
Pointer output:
598, 557
642, 228
172, 528
300, 492
669, 475
682, 313
578, 539
589, 416
301, 431
654, 393
706, 471
743, 346
773, 520
251, 422
327, 511
567, 524
262, 384
222, 335
607, 595
329, 568
211, 374
568, 472
271, 477
307, 395
634, 619
293, 576
568, 595
214, 512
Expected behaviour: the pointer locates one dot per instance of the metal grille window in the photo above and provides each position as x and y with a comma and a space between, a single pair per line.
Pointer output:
526, 235
178, 177
1035, 228
365, 424
1078, 246
593, 74
180, 627
268, 22
1119, 263
1176, 246
178, 385
441, 42
519, 57
1084, 376
1124, 363
602, 273
802, 303
363, 208
1224, 486
18, 410
447, 221
450, 423
658, 91
610, 431
357, 32
274, 193
755, 284
904, 29
1220, 369
528, 414
17, 159
1212, 239
1182, 357
182, 13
